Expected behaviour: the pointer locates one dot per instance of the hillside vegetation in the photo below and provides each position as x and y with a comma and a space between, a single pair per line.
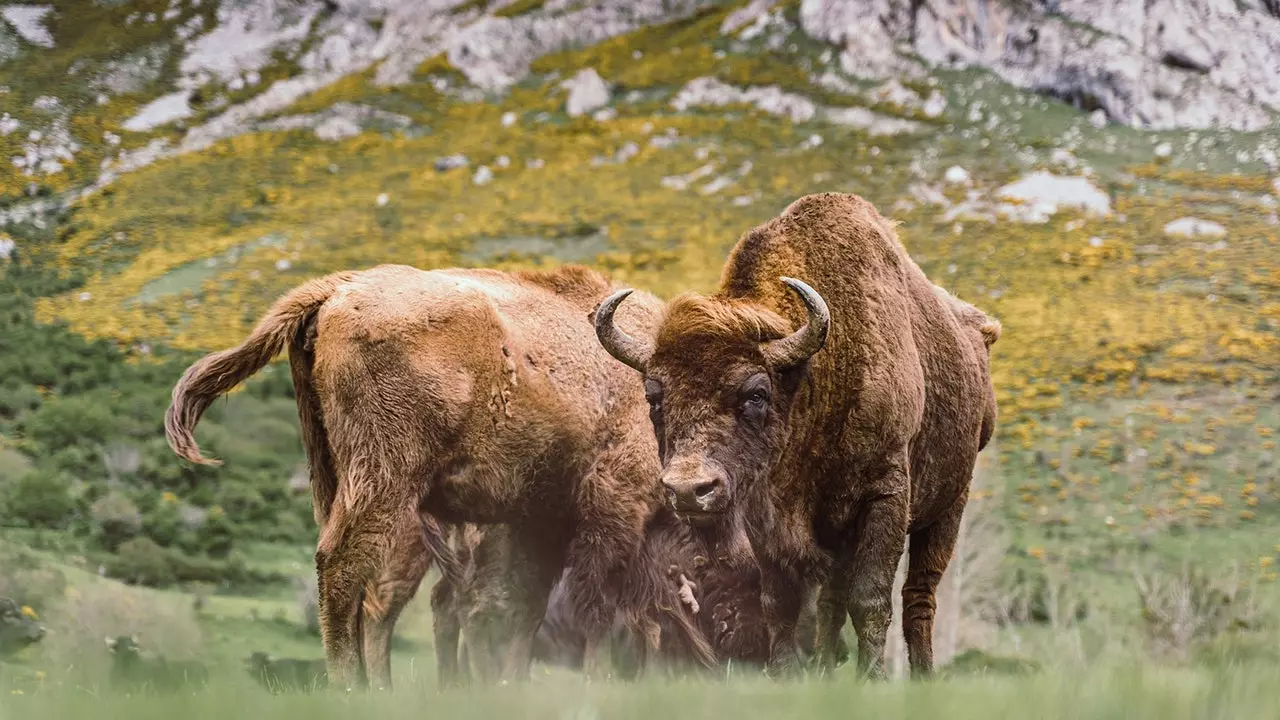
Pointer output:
1136, 374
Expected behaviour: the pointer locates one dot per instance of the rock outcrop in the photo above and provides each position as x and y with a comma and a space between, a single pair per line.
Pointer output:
1156, 64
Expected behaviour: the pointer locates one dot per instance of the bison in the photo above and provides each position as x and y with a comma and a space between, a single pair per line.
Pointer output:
450, 397
718, 581
832, 419
474, 624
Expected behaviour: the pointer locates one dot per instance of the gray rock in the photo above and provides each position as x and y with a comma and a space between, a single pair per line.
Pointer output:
161, 111
28, 22
495, 52
449, 162
875, 124
1161, 65
482, 176
710, 92
1189, 227
746, 15
1039, 195
588, 92
337, 128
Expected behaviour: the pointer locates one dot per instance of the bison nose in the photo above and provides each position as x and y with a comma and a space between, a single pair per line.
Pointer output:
696, 494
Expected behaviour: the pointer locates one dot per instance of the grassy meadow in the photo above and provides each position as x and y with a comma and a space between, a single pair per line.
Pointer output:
1120, 552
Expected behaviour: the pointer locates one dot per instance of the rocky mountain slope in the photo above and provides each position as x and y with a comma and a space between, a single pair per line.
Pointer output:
195, 73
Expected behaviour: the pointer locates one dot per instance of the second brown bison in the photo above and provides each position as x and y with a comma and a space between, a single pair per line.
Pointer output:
457, 396
831, 420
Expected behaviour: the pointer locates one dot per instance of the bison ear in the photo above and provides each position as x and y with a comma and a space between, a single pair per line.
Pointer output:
990, 331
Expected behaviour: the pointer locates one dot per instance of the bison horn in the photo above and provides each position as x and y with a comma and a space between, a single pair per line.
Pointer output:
628, 350
803, 343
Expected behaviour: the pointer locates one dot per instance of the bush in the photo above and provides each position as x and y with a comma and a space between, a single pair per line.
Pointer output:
141, 561
1192, 611
163, 523
40, 499
216, 536
26, 580
116, 520
86, 614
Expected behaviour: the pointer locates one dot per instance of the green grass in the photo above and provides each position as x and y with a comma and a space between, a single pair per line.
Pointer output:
1105, 692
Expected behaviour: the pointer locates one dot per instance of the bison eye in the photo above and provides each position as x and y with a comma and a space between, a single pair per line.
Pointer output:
753, 398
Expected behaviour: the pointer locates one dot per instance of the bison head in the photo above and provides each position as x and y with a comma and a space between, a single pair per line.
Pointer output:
720, 376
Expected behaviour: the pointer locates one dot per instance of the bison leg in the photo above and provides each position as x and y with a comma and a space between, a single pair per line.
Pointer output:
387, 597
782, 597
599, 555
349, 557
531, 576
879, 536
930, 553
338, 580
487, 618
832, 608
446, 625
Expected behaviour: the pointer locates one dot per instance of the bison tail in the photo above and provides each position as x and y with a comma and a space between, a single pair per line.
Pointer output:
216, 373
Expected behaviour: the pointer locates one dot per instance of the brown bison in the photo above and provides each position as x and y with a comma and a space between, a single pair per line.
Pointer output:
830, 460
456, 396
473, 616
717, 581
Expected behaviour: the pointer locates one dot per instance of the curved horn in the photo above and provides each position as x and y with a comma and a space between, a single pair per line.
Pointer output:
629, 351
803, 343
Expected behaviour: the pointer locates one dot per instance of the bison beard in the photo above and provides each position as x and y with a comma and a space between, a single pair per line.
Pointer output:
455, 396
832, 444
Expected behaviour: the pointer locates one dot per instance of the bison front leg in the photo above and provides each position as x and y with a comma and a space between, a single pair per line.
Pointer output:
832, 608
783, 596
879, 535
597, 560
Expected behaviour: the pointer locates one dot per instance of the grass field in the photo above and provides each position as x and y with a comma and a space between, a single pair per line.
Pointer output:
1121, 691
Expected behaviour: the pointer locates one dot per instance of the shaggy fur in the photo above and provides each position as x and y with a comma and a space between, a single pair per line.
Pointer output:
723, 585
455, 396
832, 462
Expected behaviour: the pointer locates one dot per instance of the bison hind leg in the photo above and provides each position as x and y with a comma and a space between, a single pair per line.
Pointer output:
930, 553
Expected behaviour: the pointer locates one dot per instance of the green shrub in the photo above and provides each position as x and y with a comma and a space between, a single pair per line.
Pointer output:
217, 534
115, 520
163, 523
141, 561
40, 499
